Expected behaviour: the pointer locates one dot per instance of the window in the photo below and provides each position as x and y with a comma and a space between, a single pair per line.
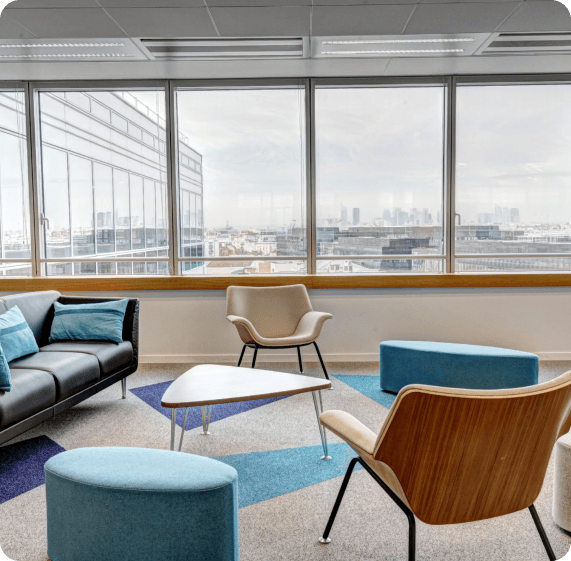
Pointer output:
380, 179
15, 242
244, 212
513, 178
103, 190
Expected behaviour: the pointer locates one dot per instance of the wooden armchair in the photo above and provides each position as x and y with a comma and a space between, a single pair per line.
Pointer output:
448, 456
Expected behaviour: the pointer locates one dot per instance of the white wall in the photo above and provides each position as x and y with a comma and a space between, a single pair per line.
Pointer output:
189, 326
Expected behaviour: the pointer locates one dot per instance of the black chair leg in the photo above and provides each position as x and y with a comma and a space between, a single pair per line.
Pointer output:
325, 538
320, 360
242, 355
542, 533
299, 360
255, 355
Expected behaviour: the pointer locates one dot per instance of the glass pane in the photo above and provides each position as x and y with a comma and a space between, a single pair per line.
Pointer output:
100, 167
81, 189
380, 184
365, 266
513, 175
244, 267
530, 264
242, 174
14, 196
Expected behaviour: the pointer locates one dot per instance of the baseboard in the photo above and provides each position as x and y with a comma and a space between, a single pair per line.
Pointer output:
263, 356
268, 356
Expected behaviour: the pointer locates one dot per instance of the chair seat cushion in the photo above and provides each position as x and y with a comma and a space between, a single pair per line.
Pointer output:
32, 391
455, 366
71, 371
111, 356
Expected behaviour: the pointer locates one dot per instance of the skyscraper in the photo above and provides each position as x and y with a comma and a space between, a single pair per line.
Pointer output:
356, 218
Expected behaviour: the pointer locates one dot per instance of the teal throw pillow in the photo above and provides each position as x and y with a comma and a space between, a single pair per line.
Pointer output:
16, 337
89, 322
5, 379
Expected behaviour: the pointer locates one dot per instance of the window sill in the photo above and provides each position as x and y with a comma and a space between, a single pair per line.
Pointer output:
456, 280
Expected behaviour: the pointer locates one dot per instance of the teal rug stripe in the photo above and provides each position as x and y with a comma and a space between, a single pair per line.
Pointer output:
265, 475
369, 386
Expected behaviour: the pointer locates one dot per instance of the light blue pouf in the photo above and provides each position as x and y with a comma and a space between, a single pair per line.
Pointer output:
454, 366
133, 504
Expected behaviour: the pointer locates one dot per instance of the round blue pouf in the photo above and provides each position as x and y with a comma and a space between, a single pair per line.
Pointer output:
134, 504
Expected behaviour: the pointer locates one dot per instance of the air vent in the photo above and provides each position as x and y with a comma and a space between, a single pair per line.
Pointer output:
528, 43
61, 50
198, 49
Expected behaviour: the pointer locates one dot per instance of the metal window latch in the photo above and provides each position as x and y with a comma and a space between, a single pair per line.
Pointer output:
45, 221
459, 219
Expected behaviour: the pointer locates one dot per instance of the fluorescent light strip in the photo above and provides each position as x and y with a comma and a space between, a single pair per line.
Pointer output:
393, 52
51, 45
78, 55
375, 41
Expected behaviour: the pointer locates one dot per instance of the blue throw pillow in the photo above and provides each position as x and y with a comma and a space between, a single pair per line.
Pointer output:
5, 379
16, 337
89, 322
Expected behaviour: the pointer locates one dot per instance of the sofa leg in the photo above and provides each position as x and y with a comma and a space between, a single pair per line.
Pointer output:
124, 387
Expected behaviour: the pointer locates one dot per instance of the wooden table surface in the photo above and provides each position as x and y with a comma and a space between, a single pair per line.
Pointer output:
209, 384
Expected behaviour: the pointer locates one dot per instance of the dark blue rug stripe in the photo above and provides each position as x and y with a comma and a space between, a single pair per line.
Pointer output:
369, 386
22, 465
269, 474
152, 395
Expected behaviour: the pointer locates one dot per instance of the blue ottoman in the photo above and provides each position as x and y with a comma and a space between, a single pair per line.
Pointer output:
454, 366
133, 504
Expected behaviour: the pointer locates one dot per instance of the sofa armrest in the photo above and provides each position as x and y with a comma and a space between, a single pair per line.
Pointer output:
130, 324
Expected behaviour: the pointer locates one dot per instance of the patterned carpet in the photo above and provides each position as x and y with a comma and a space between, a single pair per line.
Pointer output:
285, 490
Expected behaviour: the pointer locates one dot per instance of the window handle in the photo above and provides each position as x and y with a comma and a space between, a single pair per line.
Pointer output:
45, 220
459, 219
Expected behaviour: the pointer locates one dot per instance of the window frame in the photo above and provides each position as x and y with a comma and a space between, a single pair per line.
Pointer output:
175, 280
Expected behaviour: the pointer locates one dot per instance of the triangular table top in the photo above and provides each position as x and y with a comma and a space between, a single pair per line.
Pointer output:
209, 384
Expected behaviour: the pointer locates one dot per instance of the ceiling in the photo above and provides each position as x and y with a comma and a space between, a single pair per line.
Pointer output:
127, 22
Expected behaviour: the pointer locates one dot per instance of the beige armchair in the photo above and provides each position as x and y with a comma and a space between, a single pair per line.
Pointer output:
275, 318
449, 456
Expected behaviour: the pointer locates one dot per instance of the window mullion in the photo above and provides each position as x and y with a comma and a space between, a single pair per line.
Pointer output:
172, 177
450, 175
311, 226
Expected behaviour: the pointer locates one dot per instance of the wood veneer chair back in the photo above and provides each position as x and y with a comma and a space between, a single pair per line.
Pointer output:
274, 311
467, 455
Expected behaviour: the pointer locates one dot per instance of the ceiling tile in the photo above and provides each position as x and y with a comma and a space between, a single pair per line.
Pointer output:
164, 22
69, 23
539, 16
460, 17
23, 4
360, 20
9, 29
152, 3
264, 22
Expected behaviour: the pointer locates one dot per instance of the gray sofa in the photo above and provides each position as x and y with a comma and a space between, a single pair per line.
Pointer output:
65, 373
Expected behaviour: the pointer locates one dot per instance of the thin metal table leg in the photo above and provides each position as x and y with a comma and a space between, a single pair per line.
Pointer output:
182, 432
318, 412
124, 387
173, 426
206, 412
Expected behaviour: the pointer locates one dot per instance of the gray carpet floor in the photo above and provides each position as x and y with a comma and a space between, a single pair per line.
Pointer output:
368, 527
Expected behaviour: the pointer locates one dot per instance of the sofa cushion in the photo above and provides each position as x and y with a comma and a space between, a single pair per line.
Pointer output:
32, 391
111, 356
37, 308
16, 337
72, 371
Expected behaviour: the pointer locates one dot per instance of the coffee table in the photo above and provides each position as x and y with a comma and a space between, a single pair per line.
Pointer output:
207, 385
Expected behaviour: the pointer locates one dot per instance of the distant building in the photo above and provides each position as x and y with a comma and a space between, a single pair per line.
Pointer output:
356, 218
343, 213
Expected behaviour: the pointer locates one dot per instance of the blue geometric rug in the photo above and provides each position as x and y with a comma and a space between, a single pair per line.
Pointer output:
22, 465
369, 386
152, 395
269, 474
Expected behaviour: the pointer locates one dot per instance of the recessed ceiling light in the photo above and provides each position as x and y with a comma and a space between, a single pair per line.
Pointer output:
393, 52
374, 41
42, 45
71, 55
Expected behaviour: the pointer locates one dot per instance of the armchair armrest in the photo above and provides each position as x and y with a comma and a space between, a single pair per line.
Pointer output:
130, 323
245, 328
311, 323
351, 430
